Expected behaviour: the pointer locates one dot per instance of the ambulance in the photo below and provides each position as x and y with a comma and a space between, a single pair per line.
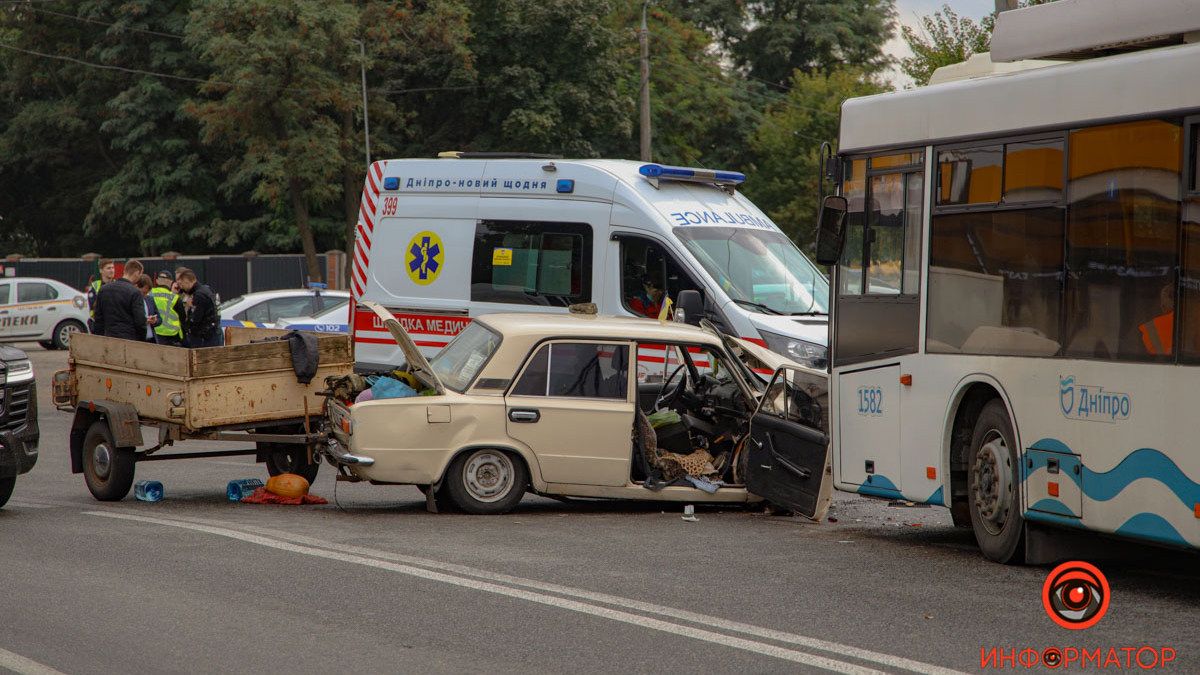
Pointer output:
442, 241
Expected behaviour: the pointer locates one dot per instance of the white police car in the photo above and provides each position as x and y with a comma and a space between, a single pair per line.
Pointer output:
42, 310
263, 309
333, 320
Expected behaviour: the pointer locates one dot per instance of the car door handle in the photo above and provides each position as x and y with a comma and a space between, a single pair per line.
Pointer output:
527, 415
51, 309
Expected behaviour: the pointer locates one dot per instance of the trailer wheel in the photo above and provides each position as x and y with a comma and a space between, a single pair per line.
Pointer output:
486, 481
107, 469
292, 460
994, 490
6, 489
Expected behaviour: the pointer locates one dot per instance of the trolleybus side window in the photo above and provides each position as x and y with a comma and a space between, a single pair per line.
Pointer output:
1189, 283
1122, 240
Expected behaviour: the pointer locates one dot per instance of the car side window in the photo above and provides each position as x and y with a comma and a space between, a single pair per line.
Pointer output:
35, 291
576, 369
286, 308
4, 294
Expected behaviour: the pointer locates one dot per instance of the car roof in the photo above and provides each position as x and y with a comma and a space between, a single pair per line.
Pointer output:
285, 292
594, 326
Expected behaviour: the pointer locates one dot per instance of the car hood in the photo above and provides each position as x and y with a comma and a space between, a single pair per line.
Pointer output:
11, 354
813, 329
416, 361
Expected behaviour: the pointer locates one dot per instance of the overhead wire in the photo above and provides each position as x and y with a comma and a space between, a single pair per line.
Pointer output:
197, 80
106, 23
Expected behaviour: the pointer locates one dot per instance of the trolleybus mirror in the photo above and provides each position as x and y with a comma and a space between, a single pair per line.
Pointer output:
831, 229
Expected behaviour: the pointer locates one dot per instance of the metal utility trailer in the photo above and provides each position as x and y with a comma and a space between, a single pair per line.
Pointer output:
244, 391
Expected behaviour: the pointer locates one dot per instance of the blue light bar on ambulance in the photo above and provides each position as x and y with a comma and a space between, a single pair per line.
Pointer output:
655, 172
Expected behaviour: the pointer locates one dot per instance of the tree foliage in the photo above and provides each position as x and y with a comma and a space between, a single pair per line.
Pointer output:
138, 126
944, 38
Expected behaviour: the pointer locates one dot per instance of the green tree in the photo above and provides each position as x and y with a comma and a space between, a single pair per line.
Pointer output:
698, 115
787, 142
548, 79
277, 95
944, 38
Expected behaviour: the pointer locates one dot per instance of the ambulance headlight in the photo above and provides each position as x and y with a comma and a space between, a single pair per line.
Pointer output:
803, 352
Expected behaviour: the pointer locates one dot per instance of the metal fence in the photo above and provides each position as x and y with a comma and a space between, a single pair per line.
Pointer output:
228, 275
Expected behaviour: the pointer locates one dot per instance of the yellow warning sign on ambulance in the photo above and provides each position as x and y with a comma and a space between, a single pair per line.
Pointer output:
501, 257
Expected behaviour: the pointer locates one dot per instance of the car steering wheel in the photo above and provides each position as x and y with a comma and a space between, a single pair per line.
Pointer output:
663, 395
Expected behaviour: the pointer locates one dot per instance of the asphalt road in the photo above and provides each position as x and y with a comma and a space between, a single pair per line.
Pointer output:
374, 583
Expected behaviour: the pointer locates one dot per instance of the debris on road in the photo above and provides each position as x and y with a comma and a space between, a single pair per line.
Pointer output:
239, 489
262, 496
148, 491
689, 514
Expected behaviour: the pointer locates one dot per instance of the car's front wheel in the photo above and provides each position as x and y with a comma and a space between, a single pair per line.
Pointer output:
63, 332
486, 481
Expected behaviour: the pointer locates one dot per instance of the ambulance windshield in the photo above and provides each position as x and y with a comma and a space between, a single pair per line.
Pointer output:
760, 270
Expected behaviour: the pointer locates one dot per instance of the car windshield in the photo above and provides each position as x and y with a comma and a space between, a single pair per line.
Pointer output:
230, 303
461, 360
761, 270
338, 308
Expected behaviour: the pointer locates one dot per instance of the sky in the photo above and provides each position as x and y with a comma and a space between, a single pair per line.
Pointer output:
908, 12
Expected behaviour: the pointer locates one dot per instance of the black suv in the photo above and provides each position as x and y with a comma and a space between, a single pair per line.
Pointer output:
18, 418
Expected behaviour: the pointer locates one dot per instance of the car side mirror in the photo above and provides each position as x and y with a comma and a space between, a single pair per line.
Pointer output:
689, 307
831, 229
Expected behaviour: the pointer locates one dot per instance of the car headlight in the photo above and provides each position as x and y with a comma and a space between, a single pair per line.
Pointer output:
19, 371
803, 352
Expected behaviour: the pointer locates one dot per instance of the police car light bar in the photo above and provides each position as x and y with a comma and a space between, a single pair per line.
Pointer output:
657, 172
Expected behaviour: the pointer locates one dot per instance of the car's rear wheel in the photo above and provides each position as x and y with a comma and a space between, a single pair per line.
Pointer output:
486, 481
63, 332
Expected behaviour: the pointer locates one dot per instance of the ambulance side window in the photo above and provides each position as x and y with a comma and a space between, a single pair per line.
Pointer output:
532, 263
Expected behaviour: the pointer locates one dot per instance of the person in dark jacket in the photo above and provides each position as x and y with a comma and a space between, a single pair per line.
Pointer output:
202, 324
120, 310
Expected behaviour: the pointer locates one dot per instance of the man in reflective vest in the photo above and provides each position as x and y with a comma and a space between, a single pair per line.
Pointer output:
169, 331
107, 272
1158, 334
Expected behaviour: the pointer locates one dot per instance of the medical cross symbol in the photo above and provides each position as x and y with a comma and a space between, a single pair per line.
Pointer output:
424, 260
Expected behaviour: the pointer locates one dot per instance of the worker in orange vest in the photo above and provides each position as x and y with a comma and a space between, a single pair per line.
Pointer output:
1158, 334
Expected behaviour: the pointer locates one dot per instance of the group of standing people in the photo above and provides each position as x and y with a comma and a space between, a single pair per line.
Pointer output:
170, 309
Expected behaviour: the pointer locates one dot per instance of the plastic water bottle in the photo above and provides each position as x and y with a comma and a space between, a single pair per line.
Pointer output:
242, 487
148, 491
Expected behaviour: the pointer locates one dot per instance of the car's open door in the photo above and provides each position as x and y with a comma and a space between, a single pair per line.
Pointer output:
787, 454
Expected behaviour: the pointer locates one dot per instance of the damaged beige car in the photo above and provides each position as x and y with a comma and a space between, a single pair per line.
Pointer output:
586, 406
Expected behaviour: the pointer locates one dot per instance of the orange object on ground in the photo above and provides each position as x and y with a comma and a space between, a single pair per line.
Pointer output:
287, 485
261, 496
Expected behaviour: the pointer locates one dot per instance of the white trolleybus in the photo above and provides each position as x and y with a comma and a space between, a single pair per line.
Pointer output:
1016, 284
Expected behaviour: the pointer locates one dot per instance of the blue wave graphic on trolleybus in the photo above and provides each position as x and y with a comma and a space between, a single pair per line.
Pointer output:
1103, 486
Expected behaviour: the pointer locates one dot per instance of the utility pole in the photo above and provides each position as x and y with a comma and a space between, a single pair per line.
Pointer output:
362, 50
644, 41
1005, 5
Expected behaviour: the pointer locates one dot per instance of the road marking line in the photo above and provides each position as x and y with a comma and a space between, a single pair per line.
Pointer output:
23, 666
889, 660
752, 646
